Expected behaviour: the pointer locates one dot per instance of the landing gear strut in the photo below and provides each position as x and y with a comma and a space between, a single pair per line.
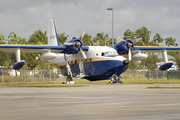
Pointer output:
115, 79
69, 79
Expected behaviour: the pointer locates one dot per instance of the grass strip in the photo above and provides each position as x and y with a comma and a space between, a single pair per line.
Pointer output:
160, 87
151, 81
39, 85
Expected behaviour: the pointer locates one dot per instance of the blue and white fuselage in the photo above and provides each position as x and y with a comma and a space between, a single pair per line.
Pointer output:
101, 63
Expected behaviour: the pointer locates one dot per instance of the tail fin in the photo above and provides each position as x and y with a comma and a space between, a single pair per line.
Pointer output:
52, 34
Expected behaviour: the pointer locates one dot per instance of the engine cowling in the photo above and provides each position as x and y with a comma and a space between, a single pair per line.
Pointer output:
124, 46
74, 45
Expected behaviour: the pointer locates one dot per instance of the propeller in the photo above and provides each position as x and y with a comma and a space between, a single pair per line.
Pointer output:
129, 53
129, 46
137, 40
121, 38
78, 45
82, 52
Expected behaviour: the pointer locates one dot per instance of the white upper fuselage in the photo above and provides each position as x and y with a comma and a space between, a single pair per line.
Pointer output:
93, 52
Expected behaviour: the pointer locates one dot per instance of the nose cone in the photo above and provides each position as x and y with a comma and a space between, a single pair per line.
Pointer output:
125, 62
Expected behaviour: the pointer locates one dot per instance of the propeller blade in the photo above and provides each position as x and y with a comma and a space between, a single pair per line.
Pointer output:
68, 43
129, 53
121, 38
83, 54
83, 35
137, 40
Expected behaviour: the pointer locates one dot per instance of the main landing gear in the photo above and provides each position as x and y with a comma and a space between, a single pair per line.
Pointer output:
69, 79
115, 79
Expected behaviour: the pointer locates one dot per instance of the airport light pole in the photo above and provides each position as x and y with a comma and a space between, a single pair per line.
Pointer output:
112, 24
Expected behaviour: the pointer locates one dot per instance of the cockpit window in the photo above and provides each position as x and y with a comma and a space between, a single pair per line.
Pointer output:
110, 53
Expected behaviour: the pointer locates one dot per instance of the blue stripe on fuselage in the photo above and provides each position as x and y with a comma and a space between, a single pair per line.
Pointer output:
97, 70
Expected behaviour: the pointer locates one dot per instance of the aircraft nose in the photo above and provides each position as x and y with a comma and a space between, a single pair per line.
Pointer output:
125, 62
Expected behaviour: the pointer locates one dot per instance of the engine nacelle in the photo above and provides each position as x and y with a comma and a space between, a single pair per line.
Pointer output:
124, 46
139, 56
48, 56
73, 46
166, 66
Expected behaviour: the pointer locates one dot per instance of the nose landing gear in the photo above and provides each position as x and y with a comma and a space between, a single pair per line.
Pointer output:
115, 79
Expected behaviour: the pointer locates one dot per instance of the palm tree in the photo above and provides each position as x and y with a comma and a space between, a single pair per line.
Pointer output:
14, 38
38, 37
62, 38
130, 35
157, 39
171, 41
109, 42
133, 36
87, 40
101, 39
2, 39
22, 41
144, 34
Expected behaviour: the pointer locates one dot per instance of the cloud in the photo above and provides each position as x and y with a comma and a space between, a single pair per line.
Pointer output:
75, 16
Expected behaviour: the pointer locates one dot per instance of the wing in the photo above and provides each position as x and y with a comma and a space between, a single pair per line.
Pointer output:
43, 48
154, 48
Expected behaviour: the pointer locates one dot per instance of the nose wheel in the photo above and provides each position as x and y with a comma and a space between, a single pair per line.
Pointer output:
115, 79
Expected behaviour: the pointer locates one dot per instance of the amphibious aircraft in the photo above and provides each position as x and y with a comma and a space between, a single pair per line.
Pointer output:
89, 62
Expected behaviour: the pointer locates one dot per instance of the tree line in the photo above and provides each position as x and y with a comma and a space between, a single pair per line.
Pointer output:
101, 39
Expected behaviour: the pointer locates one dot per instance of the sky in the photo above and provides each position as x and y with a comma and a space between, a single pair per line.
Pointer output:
73, 17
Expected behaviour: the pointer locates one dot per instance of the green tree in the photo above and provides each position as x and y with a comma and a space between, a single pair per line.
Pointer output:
151, 62
171, 41
156, 40
31, 59
38, 38
133, 65
13, 38
130, 35
101, 39
62, 38
22, 41
109, 42
143, 33
2, 41
87, 40
6, 65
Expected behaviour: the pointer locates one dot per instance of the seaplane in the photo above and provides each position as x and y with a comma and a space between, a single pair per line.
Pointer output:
88, 62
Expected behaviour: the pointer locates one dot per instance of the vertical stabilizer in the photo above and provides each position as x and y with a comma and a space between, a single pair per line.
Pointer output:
52, 34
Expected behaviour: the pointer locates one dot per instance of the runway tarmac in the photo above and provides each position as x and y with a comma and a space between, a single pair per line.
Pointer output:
96, 102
